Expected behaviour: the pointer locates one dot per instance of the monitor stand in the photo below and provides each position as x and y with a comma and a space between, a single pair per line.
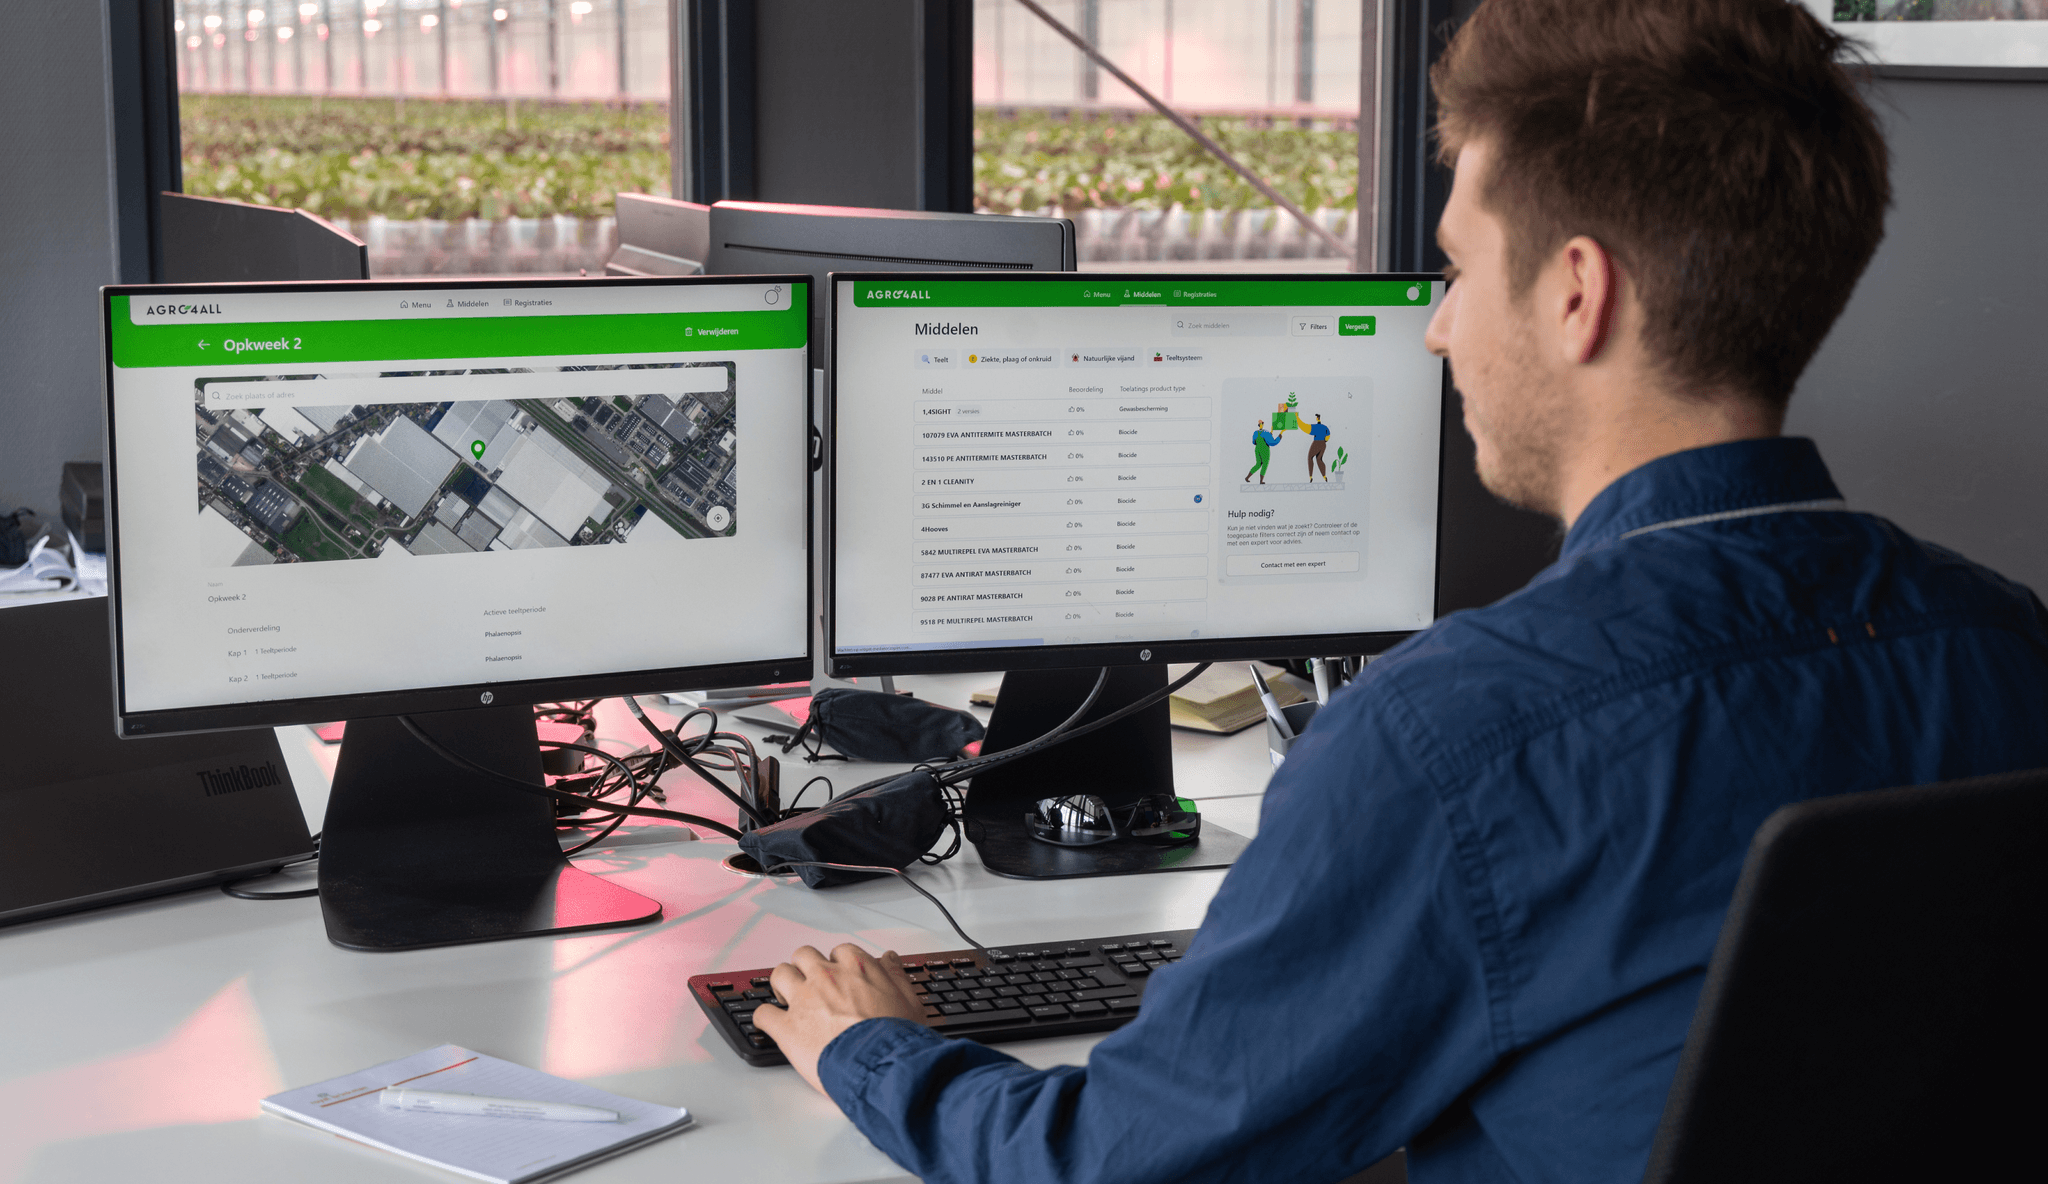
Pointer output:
1119, 764
419, 852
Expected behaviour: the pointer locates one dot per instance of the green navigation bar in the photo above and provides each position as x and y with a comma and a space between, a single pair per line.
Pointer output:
1111, 291
296, 342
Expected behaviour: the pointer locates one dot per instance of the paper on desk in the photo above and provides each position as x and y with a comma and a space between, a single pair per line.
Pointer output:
502, 1150
46, 571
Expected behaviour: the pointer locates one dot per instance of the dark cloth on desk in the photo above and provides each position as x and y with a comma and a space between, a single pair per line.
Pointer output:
1488, 880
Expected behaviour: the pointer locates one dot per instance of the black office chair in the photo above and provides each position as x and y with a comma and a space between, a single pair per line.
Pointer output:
1873, 1011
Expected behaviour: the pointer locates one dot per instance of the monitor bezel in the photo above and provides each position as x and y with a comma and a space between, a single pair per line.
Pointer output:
453, 696
1053, 657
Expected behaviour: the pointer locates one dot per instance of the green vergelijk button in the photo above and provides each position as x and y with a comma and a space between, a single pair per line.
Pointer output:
1356, 326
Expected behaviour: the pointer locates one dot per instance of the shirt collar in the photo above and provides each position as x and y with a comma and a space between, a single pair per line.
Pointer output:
1743, 475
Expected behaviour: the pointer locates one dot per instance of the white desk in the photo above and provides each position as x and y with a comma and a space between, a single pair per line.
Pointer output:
136, 1040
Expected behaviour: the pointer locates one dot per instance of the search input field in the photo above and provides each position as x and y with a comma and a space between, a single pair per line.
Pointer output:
1230, 323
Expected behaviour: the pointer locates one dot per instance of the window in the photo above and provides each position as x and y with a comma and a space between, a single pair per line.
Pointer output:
1276, 82
453, 136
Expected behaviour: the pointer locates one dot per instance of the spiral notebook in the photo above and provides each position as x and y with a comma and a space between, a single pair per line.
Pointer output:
501, 1150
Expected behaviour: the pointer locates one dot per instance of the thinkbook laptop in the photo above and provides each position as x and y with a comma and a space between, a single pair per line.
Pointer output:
89, 819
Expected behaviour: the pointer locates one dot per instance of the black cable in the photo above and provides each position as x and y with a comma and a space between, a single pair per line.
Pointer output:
966, 769
295, 894
463, 762
791, 808
673, 745
633, 799
896, 872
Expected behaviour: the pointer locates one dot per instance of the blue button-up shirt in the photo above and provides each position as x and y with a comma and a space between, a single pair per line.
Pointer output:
1490, 875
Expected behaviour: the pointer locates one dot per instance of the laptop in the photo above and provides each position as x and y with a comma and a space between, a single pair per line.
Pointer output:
89, 819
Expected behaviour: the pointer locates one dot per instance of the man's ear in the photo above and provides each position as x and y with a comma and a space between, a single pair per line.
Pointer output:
1592, 297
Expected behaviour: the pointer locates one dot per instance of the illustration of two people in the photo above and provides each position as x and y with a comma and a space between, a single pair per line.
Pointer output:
1285, 418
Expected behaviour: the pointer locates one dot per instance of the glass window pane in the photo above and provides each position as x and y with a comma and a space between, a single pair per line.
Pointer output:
1276, 82
453, 136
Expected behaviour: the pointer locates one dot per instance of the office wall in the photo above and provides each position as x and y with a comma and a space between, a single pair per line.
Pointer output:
56, 244
1930, 398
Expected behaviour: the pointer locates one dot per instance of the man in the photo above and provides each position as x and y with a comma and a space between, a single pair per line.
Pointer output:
1487, 881
1262, 452
1319, 437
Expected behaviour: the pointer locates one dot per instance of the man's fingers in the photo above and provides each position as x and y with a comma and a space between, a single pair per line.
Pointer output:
848, 954
807, 959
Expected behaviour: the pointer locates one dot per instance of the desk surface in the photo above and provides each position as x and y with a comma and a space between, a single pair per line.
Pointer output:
136, 1040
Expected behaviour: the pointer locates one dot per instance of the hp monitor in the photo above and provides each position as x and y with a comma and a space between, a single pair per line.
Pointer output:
1045, 474
362, 501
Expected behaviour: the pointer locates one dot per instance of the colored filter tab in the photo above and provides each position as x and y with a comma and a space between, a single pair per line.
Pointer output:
1170, 292
295, 342
1357, 326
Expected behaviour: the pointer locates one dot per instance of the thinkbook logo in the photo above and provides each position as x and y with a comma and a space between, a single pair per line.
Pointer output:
237, 778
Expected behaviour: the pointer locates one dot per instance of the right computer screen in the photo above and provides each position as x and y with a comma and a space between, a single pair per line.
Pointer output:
1127, 459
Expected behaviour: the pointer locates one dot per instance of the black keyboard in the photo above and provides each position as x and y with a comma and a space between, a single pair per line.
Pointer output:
1014, 993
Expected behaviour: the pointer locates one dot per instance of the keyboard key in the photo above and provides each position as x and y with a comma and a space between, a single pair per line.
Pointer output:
759, 982
1112, 947
1128, 1003
952, 1009
942, 976
760, 1040
1069, 963
1017, 980
1031, 1000
1009, 992
981, 1005
1001, 1015
1160, 943
1044, 976
955, 996
1069, 975
720, 988
760, 994
985, 992
1088, 1007
1139, 970
1057, 996
1051, 1011
963, 963
1106, 993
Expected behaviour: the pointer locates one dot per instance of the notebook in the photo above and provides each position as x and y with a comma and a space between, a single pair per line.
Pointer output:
501, 1150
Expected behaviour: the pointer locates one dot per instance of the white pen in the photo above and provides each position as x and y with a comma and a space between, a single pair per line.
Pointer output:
1321, 668
1272, 705
427, 1101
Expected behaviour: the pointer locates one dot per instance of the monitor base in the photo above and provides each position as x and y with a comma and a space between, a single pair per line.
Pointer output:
1121, 763
417, 852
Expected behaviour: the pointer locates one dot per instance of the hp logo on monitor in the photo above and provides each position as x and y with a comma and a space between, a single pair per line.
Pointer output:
1144, 655
486, 697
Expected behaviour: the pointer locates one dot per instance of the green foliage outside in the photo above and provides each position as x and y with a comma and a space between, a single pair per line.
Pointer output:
351, 158
460, 158
1037, 159
308, 541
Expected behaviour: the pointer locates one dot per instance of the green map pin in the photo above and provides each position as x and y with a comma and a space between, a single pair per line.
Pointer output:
476, 449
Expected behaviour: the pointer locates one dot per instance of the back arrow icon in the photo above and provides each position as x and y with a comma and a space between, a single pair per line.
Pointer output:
202, 344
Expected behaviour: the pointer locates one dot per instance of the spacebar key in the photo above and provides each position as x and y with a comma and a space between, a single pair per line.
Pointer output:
976, 1019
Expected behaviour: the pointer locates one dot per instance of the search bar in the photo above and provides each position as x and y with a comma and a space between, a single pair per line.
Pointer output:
463, 388
1229, 323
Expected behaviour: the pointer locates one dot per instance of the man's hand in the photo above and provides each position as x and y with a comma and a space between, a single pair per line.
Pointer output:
826, 996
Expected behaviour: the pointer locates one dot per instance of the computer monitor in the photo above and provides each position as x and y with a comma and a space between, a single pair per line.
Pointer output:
659, 236
1046, 474
754, 236
371, 500
214, 240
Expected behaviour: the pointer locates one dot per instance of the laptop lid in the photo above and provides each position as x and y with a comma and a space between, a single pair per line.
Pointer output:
87, 818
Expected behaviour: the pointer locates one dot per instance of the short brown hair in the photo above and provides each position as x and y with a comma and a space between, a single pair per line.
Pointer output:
1718, 149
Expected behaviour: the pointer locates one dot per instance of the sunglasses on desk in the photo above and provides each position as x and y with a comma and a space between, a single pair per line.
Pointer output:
1085, 820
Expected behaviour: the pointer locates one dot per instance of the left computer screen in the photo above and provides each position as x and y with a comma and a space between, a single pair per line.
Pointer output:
332, 501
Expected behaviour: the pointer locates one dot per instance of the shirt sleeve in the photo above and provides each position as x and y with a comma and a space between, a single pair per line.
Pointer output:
1333, 1003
